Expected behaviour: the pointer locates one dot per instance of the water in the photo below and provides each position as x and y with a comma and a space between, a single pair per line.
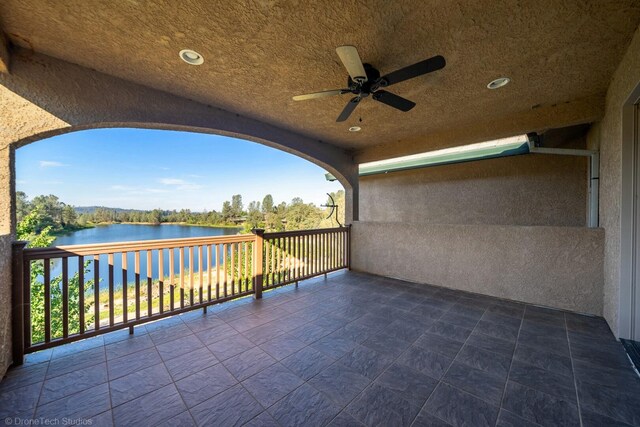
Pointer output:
131, 232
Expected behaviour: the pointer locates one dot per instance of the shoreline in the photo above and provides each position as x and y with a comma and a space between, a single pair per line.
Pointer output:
164, 223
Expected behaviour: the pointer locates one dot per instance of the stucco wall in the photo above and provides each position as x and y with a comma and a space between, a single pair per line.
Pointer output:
553, 266
6, 212
607, 135
522, 190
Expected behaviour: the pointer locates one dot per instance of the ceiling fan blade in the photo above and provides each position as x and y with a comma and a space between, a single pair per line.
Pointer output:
351, 60
319, 94
348, 109
393, 100
415, 70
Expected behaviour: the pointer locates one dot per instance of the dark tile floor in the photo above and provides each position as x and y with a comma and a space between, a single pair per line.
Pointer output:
347, 351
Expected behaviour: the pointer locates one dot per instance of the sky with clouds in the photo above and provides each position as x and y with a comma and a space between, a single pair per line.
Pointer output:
147, 169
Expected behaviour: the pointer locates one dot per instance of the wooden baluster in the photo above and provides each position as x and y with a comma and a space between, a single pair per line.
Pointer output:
297, 240
339, 250
332, 252
149, 283
315, 254
65, 297
306, 255
192, 274
125, 306
181, 267
279, 263
267, 262
285, 260
81, 308
218, 271
200, 273
287, 244
209, 271
136, 268
161, 279
234, 271
96, 292
47, 300
323, 251
111, 289
224, 268
246, 268
172, 284
239, 279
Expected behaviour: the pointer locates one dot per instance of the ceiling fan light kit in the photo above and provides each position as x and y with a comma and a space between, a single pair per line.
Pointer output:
365, 80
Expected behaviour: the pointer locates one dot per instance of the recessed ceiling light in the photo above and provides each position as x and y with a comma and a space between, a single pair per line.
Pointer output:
355, 129
191, 57
498, 83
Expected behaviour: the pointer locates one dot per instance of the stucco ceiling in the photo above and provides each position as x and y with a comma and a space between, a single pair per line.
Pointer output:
258, 54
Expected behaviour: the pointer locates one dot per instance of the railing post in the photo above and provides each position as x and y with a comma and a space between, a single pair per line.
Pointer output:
17, 299
257, 262
349, 246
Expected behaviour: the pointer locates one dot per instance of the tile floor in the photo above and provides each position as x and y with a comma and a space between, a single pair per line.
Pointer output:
350, 350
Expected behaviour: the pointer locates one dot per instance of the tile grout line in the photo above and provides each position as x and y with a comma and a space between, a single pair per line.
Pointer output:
445, 372
37, 405
378, 376
513, 355
573, 372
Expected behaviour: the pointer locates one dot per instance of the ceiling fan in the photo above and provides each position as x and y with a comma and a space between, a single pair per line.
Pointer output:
364, 80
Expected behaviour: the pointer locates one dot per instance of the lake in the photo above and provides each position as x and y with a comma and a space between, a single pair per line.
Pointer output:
133, 232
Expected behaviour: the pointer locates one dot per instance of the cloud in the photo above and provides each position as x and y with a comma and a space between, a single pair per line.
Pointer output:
51, 164
180, 184
172, 181
121, 188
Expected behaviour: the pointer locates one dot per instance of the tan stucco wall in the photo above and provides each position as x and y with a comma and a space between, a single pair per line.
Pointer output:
607, 135
521, 190
6, 231
553, 266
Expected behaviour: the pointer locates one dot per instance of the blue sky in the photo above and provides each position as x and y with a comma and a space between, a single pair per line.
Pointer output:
147, 169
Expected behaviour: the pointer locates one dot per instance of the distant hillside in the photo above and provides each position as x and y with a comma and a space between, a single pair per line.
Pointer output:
92, 209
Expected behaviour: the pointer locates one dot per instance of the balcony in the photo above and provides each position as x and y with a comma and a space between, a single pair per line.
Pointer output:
345, 349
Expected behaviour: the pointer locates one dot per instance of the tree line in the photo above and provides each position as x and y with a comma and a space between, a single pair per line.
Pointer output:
49, 211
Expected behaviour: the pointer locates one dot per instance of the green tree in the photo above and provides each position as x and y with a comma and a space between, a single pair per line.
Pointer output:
255, 218
227, 211
27, 230
267, 203
301, 216
69, 216
155, 216
22, 205
236, 205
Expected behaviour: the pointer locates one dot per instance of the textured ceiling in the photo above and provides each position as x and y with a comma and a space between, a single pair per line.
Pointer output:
260, 53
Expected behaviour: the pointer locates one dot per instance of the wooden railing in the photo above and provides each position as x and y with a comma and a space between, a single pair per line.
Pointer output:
66, 293
297, 255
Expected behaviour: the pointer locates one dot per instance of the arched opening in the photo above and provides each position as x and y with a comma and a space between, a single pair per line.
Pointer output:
100, 258
160, 176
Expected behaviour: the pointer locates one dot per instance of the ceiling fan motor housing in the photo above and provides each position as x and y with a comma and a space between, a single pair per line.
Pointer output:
365, 88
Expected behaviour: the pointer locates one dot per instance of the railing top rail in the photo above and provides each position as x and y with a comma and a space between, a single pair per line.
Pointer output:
140, 245
305, 232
